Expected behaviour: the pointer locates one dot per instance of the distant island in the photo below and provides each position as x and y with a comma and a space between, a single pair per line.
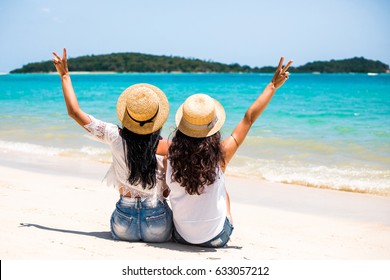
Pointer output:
143, 63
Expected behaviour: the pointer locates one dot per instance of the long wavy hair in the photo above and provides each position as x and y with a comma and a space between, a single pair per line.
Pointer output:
195, 161
140, 151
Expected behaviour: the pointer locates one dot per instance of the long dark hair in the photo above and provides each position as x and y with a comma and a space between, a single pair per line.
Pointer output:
140, 151
194, 161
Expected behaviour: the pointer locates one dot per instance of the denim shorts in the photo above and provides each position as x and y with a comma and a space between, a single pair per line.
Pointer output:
136, 219
217, 242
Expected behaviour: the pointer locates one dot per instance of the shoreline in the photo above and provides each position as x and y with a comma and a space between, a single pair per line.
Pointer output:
31, 155
60, 209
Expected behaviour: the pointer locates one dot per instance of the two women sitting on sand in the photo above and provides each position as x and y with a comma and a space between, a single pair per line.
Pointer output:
146, 168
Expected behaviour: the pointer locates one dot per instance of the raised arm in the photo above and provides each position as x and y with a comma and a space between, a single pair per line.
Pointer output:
70, 97
238, 135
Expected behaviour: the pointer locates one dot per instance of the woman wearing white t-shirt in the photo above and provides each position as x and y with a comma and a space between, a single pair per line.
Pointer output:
197, 159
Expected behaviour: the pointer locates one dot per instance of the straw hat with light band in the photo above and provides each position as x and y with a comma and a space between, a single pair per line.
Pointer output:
142, 108
200, 116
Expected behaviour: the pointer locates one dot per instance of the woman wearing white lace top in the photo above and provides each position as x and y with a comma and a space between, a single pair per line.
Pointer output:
196, 163
137, 171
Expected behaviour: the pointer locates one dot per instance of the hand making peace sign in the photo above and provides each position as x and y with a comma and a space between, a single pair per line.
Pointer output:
61, 64
281, 74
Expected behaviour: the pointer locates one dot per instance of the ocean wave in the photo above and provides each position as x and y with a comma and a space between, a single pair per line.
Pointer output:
85, 152
345, 177
8, 146
352, 178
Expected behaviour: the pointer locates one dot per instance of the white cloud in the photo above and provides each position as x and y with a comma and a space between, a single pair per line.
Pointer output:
45, 10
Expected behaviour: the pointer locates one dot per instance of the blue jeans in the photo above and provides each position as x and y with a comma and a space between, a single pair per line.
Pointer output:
217, 242
135, 219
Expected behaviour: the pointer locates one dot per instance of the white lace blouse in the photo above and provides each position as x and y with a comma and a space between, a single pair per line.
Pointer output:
118, 173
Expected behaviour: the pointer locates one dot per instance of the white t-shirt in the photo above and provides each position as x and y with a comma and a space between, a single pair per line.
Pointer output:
198, 218
118, 173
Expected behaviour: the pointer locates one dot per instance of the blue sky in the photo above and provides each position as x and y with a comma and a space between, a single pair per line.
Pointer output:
250, 32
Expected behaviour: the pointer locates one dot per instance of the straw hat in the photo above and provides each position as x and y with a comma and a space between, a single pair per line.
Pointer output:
200, 116
142, 108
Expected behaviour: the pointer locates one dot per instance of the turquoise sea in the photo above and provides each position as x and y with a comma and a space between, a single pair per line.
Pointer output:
320, 130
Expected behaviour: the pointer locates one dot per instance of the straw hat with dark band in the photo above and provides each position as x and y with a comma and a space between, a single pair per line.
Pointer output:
200, 116
142, 108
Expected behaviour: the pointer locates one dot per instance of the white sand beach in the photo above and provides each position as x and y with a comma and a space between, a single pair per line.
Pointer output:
58, 208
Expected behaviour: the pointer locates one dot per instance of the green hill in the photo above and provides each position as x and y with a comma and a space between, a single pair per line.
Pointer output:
138, 62
352, 65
